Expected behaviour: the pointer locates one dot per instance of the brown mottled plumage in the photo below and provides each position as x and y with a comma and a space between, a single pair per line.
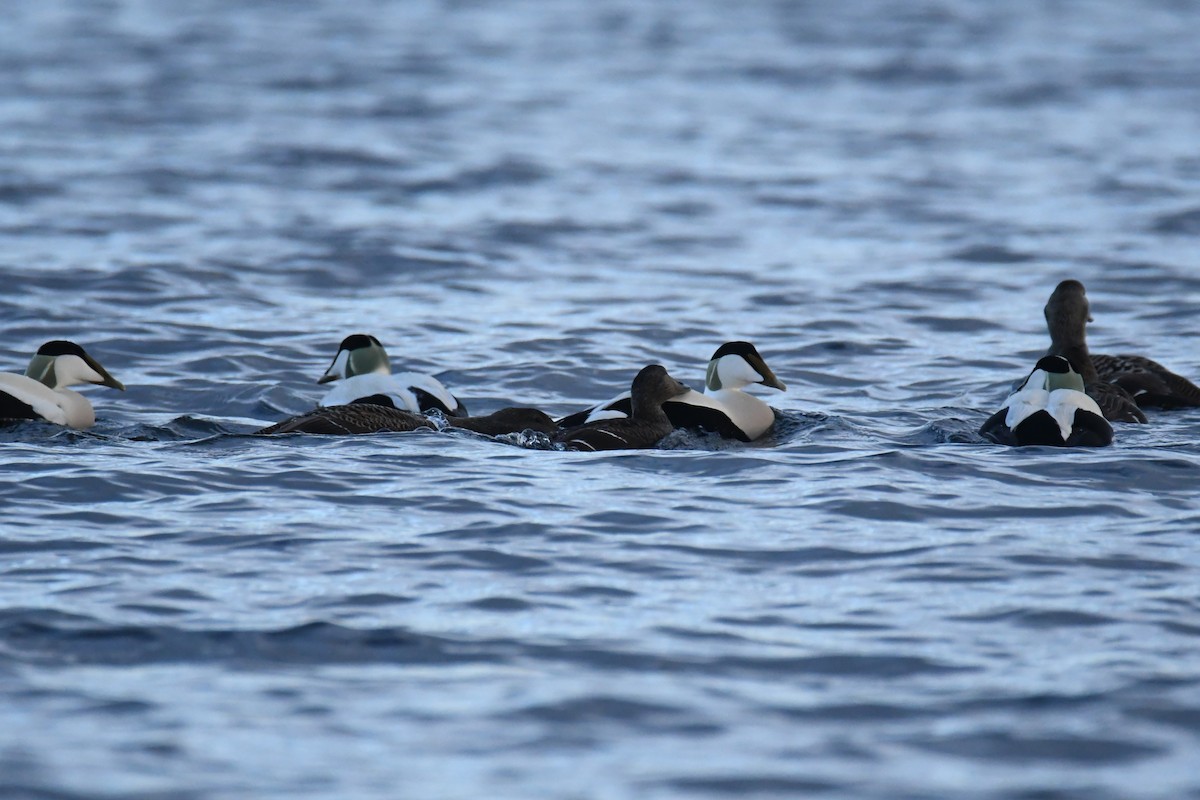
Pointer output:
506, 420
652, 387
373, 414
1067, 315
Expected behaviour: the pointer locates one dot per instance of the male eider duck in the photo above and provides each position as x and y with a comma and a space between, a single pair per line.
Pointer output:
647, 424
1050, 408
361, 368
375, 413
41, 392
1122, 385
723, 408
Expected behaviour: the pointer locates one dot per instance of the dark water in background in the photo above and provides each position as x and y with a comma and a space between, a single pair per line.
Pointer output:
532, 200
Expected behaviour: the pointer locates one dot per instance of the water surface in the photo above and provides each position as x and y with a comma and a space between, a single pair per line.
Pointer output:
532, 201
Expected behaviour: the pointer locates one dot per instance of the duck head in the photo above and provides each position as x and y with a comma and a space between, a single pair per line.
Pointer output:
1054, 372
59, 364
359, 354
652, 387
1068, 313
738, 364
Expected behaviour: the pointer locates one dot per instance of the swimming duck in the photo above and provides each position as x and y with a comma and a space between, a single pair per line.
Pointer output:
1050, 408
362, 369
375, 413
647, 424
723, 408
378, 413
41, 392
1121, 385
506, 420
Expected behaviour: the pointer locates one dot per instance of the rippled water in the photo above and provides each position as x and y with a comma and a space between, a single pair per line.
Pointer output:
532, 200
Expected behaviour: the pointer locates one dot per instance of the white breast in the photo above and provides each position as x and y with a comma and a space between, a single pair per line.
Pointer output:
752, 416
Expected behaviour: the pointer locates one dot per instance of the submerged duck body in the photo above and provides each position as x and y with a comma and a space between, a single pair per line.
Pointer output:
361, 368
42, 393
1050, 408
722, 408
647, 424
1122, 385
506, 420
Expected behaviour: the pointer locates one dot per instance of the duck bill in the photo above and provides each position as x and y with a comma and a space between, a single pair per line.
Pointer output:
106, 379
335, 369
768, 377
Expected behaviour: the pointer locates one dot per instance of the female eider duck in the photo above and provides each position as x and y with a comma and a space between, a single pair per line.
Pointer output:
378, 413
506, 420
1050, 408
646, 425
723, 408
42, 393
362, 369
1121, 385
375, 413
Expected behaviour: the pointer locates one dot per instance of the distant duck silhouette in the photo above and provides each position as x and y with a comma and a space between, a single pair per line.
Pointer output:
42, 393
647, 425
723, 408
1121, 385
361, 368
1050, 408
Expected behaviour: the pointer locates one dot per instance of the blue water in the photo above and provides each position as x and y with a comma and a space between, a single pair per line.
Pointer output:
532, 200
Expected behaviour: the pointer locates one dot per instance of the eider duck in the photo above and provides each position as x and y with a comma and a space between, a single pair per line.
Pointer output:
41, 392
375, 413
723, 408
378, 413
506, 420
1121, 385
647, 424
361, 368
1050, 408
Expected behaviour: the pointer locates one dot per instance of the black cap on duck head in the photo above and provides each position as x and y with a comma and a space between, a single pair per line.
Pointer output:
357, 340
742, 349
1056, 364
61, 347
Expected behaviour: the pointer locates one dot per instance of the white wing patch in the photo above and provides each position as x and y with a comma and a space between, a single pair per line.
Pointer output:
1030, 398
41, 398
426, 383
350, 389
601, 414
1062, 405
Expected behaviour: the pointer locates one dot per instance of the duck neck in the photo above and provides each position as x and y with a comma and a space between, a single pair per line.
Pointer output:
1075, 349
647, 410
